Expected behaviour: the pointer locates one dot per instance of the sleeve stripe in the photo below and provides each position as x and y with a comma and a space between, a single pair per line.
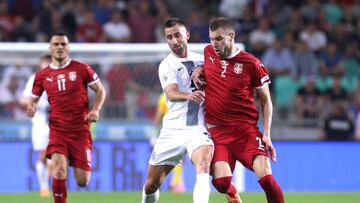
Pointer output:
93, 82
266, 82
263, 79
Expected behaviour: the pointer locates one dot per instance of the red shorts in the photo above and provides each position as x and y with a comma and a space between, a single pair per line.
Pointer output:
75, 146
237, 143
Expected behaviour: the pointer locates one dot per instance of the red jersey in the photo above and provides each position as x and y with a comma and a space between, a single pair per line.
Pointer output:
230, 87
66, 88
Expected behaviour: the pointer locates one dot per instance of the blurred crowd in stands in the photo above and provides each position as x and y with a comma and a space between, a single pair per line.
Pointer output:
310, 47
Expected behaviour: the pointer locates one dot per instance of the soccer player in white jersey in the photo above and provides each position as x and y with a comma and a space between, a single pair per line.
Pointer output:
183, 131
40, 130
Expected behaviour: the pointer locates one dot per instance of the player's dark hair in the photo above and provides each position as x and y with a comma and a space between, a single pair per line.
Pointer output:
221, 22
59, 33
174, 21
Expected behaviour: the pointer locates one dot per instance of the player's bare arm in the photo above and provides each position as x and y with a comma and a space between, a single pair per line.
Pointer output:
32, 106
198, 77
94, 113
267, 109
172, 92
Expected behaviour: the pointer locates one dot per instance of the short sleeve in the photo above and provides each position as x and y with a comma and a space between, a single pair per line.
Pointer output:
37, 88
166, 75
92, 77
260, 75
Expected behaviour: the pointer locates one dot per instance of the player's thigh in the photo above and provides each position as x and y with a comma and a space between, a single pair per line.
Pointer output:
223, 162
250, 146
201, 158
199, 144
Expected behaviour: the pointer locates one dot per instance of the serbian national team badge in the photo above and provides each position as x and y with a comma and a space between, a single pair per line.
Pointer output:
238, 68
72, 75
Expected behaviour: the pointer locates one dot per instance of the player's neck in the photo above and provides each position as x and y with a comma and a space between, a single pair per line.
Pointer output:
61, 63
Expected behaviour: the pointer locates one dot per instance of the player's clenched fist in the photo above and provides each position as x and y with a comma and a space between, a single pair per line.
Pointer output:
31, 109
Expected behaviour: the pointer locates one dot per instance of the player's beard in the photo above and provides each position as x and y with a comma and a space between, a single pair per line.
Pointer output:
179, 50
225, 52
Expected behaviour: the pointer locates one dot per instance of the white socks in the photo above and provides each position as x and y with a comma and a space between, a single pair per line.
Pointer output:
150, 198
201, 191
42, 175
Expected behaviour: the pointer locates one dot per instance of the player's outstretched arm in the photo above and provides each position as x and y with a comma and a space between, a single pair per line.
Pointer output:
94, 113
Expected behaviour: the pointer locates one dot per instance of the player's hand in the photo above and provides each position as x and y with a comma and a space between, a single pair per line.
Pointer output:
92, 116
197, 96
31, 109
270, 147
198, 77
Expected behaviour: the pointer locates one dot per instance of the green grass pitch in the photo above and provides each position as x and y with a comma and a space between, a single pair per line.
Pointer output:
167, 197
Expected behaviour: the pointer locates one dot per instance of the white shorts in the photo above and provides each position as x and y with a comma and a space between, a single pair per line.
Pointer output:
173, 144
40, 137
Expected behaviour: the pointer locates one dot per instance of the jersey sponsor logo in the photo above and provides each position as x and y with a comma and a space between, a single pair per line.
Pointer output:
179, 69
61, 76
212, 60
238, 68
224, 63
72, 76
49, 79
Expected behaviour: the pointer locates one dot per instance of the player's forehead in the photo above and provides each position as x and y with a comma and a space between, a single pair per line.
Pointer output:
217, 33
56, 39
175, 29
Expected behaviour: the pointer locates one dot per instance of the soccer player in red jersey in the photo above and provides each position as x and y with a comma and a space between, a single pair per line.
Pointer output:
232, 76
65, 82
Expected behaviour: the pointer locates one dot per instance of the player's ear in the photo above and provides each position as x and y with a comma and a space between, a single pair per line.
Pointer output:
187, 35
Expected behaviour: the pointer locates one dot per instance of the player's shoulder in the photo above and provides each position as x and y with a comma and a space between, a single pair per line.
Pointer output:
77, 63
208, 48
42, 72
168, 61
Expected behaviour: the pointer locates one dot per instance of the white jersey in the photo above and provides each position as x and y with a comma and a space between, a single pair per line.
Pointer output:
40, 127
181, 114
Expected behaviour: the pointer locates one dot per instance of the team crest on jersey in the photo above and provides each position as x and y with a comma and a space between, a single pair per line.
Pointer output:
72, 75
61, 76
238, 68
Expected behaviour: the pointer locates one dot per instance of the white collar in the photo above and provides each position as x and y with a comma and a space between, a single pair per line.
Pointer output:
52, 66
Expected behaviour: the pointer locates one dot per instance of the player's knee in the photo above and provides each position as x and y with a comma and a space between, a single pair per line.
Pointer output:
203, 166
222, 184
59, 172
151, 186
82, 182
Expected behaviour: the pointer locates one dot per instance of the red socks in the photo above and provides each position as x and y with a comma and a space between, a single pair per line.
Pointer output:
59, 190
272, 190
224, 185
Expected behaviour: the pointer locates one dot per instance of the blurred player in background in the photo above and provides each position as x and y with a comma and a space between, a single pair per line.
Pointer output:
177, 180
39, 130
65, 82
232, 77
184, 130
